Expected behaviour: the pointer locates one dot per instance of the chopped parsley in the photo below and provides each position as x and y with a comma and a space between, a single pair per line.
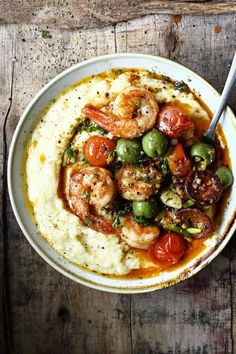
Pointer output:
111, 156
70, 152
138, 103
86, 195
166, 78
164, 166
96, 175
180, 86
125, 207
45, 34
116, 221
89, 126
117, 71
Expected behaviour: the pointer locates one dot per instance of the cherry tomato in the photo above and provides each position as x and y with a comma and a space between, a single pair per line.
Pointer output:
97, 150
178, 163
173, 122
203, 187
196, 219
169, 249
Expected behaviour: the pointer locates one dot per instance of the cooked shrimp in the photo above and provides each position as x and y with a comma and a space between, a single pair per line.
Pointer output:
134, 112
138, 183
90, 189
138, 235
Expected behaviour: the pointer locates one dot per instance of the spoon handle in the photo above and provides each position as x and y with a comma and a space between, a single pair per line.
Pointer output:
228, 88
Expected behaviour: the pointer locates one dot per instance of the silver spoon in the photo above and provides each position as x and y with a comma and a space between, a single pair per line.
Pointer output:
227, 91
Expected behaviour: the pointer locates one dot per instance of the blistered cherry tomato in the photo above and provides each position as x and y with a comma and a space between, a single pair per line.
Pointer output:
178, 162
169, 249
97, 150
203, 187
173, 122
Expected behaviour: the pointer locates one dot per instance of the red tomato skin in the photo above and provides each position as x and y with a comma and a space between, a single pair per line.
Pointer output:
168, 250
179, 164
173, 122
97, 150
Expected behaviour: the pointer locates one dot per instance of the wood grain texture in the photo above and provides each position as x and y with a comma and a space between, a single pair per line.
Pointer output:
6, 77
97, 13
49, 314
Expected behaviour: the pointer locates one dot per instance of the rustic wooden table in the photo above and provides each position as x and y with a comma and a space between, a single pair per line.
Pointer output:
42, 311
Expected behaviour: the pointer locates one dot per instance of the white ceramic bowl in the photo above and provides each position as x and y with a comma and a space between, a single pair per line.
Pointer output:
15, 165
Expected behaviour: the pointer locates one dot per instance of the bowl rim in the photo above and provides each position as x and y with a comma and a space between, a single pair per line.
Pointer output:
113, 289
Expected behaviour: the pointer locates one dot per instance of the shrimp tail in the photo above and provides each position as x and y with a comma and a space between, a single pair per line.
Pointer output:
97, 116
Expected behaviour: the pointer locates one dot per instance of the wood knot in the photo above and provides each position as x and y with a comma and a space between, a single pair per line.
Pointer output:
63, 314
171, 41
176, 18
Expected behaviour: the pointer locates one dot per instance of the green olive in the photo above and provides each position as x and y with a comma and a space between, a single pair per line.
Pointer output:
155, 144
225, 176
203, 154
146, 208
129, 150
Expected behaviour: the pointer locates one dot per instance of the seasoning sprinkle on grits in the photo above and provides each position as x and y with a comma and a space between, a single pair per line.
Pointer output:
118, 177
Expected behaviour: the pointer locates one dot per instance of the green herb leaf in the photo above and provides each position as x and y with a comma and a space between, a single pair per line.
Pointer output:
111, 156
45, 34
86, 195
180, 86
89, 126
166, 78
70, 152
96, 175
138, 103
126, 207
116, 221
164, 166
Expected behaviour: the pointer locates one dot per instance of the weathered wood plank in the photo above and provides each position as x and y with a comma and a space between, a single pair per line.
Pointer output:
6, 75
85, 13
51, 314
79, 320
193, 317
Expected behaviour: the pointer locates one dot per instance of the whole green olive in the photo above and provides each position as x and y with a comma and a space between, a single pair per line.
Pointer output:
225, 176
203, 154
146, 208
155, 144
129, 150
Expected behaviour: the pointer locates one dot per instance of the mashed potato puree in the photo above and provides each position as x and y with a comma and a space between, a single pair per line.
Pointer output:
45, 150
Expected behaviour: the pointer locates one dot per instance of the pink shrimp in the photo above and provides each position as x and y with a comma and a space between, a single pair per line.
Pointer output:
134, 112
90, 189
138, 235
